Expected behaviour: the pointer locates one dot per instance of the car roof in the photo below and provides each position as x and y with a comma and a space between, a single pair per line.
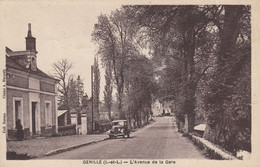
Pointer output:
122, 120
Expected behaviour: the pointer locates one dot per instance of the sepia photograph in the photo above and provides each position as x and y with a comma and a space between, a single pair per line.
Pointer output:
126, 83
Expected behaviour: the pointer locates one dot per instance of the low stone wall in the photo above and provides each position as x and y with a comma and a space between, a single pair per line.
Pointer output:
48, 131
67, 130
211, 150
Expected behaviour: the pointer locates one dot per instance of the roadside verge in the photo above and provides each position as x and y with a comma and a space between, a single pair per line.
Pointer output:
211, 150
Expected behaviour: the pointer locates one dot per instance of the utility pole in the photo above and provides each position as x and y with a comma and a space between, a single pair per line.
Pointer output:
92, 127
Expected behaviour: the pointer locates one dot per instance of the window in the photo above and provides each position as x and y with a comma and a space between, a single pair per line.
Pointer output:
48, 112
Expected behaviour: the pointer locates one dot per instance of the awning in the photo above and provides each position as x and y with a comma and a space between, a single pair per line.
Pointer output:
200, 127
61, 112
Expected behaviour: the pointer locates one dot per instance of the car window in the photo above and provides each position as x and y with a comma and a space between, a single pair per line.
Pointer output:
121, 123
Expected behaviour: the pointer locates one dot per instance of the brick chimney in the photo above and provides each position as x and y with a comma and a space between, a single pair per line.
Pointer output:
30, 40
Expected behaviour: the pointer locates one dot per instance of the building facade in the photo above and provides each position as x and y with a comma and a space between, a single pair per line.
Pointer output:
31, 94
161, 107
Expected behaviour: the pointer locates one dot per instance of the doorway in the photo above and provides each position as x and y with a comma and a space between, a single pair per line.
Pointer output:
17, 110
34, 105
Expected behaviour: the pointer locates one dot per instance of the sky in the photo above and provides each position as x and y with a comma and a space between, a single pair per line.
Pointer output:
62, 30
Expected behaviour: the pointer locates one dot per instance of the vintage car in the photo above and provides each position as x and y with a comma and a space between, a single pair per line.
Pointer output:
119, 128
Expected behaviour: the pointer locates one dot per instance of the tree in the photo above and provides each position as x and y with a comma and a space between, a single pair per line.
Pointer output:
108, 89
229, 99
79, 90
114, 35
202, 54
140, 87
96, 86
84, 101
175, 35
73, 95
61, 70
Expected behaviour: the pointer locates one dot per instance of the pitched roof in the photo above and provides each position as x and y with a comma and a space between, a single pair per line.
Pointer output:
12, 62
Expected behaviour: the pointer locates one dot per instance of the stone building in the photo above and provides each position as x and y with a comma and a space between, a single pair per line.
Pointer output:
161, 108
31, 94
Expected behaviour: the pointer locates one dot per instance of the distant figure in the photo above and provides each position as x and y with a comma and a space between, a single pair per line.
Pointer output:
19, 128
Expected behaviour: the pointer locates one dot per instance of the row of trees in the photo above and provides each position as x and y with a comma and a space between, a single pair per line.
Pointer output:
200, 61
126, 68
205, 52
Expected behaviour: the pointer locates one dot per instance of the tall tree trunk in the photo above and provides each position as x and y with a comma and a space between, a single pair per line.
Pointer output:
120, 105
189, 52
223, 85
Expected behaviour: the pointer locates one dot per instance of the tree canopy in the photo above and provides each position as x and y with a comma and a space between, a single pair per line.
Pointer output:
199, 60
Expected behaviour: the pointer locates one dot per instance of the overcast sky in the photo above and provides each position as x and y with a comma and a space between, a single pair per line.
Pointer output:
62, 30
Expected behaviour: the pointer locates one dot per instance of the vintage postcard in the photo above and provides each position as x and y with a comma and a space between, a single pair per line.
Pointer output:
107, 83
